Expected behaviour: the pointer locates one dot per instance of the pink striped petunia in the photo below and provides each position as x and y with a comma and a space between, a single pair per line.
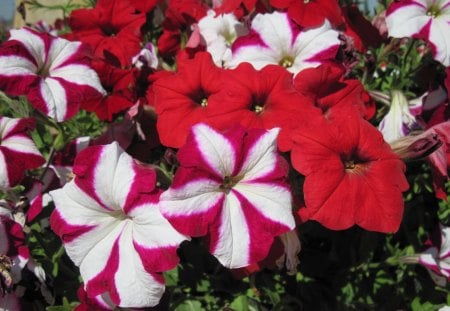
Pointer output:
424, 19
275, 39
109, 221
18, 152
231, 186
437, 258
52, 72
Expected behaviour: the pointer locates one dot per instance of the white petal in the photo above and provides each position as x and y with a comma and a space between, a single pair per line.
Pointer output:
55, 99
258, 56
439, 36
151, 229
261, 159
312, 42
195, 197
274, 30
21, 144
60, 51
97, 256
114, 176
79, 74
7, 125
32, 42
406, 21
15, 66
232, 249
78, 209
4, 180
136, 287
273, 201
216, 150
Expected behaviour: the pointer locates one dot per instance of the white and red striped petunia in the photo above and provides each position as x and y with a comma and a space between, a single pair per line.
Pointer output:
275, 39
233, 187
18, 152
52, 72
109, 221
424, 19
437, 258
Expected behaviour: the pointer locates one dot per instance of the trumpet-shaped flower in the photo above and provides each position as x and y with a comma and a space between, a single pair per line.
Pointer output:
52, 72
17, 151
352, 175
425, 19
401, 118
231, 186
109, 221
219, 33
274, 39
437, 258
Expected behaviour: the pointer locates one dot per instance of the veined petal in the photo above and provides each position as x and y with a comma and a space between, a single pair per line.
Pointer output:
21, 144
4, 180
271, 200
191, 208
275, 30
32, 42
439, 37
313, 46
261, 158
16, 66
60, 52
136, 287
216, 150
80, 75
407, 20
54, 97
154, 238
233, 238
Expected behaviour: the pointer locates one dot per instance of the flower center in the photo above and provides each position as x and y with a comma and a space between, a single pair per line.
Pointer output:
228, 183
44, 71
204, 102
286, 62
354, 166
119, 215
433, 10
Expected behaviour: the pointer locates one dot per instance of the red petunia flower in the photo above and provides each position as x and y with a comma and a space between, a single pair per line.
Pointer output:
182, 99
309, 14
120, 87
179, 17
113, 26
352, 175
259, 99
328, 88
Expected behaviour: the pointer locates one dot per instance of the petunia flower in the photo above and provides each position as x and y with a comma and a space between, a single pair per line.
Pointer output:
52, 72
183, 99
232, 187
424, 19
18, 152
437, 258
219, 33
112, 27
401, 118
274, 39
111, 227
351, 174
309, 14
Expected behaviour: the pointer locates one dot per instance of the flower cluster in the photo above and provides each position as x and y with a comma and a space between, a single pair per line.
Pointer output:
230, 124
